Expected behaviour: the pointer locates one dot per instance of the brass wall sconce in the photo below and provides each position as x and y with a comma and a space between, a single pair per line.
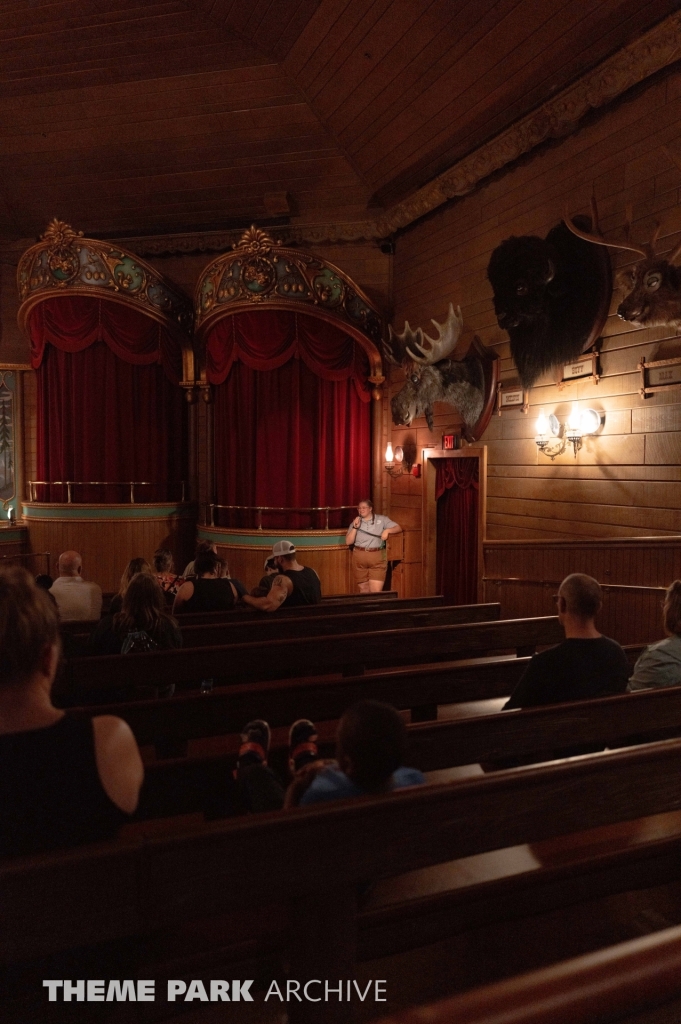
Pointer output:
396, 464
580, 423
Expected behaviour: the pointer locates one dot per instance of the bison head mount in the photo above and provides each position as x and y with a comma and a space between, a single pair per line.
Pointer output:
552, 297
446, 368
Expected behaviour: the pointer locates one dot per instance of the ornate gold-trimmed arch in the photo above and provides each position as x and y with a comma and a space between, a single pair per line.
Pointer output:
66, 263
260, 273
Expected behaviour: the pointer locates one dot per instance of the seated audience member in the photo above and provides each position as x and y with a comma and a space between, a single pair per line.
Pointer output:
168, 580
45, 582
134, 566
77, 599
295, 584
371, 745
259, 788
63, 781
202, 545
660, 664
143, 611
207, 591
585, 664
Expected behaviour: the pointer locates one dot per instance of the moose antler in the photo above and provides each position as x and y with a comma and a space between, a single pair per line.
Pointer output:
597, 237
421, 348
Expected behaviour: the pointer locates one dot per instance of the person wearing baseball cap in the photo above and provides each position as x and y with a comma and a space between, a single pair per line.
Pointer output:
294, 585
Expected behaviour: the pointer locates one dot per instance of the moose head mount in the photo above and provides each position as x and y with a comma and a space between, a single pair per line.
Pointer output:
653, 283
446, 368
552, 297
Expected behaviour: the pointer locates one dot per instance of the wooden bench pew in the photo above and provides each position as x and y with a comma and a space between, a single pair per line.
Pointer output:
193, 716
271, 627
185, 785
349, 654
616, 983
297, 875
329, 606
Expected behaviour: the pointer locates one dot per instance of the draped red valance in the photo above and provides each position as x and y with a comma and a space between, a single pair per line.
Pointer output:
71, 323
461, 473
267, 339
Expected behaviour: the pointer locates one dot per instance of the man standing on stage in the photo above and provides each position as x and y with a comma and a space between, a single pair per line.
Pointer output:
365, 537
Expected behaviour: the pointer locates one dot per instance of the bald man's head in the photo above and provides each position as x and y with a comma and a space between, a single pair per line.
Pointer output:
70, 563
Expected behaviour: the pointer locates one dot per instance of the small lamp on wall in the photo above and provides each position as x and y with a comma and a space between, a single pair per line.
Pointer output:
394, 460
11, 516
580, 423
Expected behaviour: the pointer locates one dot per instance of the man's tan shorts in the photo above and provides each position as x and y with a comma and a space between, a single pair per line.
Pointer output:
368, 565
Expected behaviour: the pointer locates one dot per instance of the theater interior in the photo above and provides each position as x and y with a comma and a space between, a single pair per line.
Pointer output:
261, 261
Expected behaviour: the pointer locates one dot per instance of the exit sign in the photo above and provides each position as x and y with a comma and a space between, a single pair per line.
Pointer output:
448, 442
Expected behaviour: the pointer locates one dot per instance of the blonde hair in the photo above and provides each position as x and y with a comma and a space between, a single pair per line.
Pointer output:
28, 624
671, 608
134, 566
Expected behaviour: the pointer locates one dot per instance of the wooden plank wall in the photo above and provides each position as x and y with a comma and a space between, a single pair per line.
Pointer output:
626, 481
523, 576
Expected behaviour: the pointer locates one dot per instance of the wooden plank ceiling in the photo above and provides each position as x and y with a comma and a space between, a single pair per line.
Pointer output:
175, 115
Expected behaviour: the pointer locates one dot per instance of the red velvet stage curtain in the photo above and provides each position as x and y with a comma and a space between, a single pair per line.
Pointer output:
109, 407
457, 491
292, 417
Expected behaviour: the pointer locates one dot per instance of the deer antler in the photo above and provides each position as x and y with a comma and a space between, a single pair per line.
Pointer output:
599, 239
675, 160
420, 347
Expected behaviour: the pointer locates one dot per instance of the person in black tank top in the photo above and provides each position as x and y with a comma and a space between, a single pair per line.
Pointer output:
306, 587
296, 584
207, 592
63, 781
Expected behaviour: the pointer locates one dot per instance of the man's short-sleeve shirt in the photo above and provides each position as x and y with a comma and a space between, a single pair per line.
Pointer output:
369, 532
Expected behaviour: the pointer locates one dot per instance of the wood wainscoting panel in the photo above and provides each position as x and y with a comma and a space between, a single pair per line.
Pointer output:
107, 545
331, 564
524, 575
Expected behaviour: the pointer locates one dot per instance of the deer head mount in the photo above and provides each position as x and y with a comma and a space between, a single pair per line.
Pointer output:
437, 371
653, 283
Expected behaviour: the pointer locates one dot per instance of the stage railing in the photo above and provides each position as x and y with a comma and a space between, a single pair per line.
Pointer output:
70, 484
259, 509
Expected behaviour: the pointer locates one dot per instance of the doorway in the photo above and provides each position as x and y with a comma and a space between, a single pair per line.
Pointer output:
454, 515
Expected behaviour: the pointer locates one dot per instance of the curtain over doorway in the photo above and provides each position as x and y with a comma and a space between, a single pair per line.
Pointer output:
457, 492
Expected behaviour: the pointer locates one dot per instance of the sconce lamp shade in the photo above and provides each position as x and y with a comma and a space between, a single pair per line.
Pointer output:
589, 421
542, 424
399, 454
389, 452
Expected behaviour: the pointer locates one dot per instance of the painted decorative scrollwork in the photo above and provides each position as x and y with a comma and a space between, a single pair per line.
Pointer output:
260, 270
66, 261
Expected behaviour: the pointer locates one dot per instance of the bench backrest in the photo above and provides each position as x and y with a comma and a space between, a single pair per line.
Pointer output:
194, 715
180, 786
348, 653
598, 988
317, 857
338, 604
270, 627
